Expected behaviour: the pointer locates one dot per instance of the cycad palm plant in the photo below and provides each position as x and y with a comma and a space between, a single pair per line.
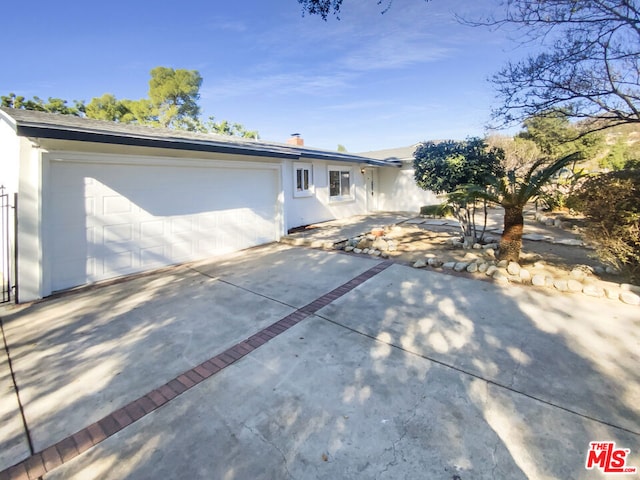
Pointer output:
513, 193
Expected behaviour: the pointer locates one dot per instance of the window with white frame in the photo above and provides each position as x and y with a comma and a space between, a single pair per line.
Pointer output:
302, 180
341, 184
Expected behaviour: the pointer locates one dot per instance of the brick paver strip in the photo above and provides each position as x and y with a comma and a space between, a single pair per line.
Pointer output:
70, 447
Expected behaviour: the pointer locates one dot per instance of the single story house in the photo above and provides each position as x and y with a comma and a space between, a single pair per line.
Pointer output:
98, 200
397, 187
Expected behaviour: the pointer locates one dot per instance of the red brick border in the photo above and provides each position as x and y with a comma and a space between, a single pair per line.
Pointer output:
68, 448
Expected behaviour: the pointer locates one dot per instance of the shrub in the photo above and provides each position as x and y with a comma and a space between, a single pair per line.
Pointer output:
611, 205
442, 210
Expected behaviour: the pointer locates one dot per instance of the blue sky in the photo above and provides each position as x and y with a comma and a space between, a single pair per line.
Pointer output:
369, 81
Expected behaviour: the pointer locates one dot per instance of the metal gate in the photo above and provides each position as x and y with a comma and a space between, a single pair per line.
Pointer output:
6, 246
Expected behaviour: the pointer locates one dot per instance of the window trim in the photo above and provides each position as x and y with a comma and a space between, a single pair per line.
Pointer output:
341, 169
304, 167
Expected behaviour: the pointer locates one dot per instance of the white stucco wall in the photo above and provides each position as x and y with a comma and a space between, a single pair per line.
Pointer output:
9, 153
398, 191
318, 207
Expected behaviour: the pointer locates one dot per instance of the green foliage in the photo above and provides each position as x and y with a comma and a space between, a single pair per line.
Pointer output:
461, 170
445, 166
611, 205
172, 103
441, 210
622, 154
557, 137
106, 107
342, 148
52, 105
174, 95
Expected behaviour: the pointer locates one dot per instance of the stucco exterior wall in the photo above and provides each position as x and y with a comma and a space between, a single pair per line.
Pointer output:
318, 207
399, 192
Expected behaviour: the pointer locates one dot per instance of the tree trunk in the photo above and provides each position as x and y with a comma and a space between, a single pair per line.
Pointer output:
511, 241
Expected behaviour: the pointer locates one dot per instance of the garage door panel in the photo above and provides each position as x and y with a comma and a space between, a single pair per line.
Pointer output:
111, 220
114, 264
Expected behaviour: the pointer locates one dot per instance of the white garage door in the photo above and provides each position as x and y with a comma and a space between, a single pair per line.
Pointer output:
112, 220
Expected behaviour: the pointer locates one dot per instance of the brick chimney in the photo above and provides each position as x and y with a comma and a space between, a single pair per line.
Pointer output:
296, 140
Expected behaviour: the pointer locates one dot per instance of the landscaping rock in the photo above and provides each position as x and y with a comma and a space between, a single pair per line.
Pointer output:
348, 248
592, 290
420, 264
629, 298
627, 287
490, 252
500, 277
364, 243
377, 232
449, 265
384, 254
574, 286
513, 268
380, 244
561, 285
365, 250
525, 275
460, 266
612, 293
472, 268
490, 246
549, 281
503, 264
539, 280
612, 271
483, 267
434, 262
357, 250
577, 274
476, 246
491, 270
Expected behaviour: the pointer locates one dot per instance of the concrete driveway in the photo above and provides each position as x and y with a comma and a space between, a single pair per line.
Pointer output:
286, 362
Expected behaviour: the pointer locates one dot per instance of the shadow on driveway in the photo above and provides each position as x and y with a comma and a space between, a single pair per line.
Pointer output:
413, 374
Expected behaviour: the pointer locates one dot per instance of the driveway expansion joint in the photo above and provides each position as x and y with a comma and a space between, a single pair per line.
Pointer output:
488, 381
52, 457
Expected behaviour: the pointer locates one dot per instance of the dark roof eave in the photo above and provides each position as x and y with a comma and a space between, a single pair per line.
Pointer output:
343, 158
175, 144
38, 131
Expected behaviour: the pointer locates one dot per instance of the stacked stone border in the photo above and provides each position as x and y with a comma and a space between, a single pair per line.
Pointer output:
65, 450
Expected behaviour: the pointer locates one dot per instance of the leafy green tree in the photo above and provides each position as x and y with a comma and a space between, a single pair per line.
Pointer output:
451, 167
556, 137
342, 148
52, 105
140, 112
174, 95
172, 103
106, 107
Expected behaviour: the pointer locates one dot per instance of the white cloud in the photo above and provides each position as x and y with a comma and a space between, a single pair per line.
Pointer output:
278, 84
